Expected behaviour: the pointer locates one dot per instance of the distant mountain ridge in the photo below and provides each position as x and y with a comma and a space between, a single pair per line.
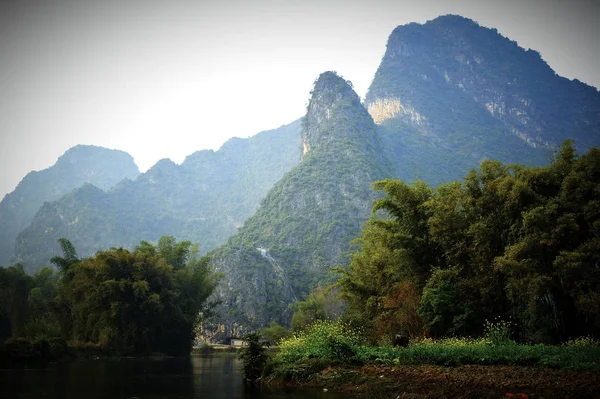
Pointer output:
475, 94
204, 199
79, 165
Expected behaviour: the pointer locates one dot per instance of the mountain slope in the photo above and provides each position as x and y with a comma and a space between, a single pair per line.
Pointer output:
457, 93
204, 200
80, 164
305, 224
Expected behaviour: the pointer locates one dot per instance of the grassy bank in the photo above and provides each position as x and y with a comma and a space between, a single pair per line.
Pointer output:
332, 354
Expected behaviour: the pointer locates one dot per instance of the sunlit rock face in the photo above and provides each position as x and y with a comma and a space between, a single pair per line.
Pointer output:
464, 85
335, 113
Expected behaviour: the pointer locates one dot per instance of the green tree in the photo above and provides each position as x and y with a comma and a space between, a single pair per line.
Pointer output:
136, 301
275, 333
508, 242
320, 304
393, 264
15, 285
69, 257
253, 357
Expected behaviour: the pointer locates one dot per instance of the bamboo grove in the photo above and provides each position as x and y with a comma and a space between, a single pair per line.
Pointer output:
149, 300
510, 243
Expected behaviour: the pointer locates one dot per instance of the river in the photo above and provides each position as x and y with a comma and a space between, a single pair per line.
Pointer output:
207, 377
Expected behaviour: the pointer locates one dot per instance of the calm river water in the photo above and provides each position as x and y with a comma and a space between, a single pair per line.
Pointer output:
197, 377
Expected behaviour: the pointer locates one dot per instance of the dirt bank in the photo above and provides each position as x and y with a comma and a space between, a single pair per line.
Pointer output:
470, 381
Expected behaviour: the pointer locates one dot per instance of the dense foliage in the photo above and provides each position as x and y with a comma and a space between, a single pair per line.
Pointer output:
320, 304
253, 357
26, 303
325, 344
142, 301
509, 242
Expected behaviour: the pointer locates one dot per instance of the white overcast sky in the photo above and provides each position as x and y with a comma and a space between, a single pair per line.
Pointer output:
162, 79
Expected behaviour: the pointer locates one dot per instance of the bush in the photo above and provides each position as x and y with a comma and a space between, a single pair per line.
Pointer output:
582, 342
254, 358
577, 355
275, 333
19, 348
497, 332
58, 347
334, 341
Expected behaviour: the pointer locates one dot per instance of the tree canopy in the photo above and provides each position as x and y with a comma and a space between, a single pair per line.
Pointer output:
508, 242
147, 300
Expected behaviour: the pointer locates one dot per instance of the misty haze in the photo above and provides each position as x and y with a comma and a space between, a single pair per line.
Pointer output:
226, 200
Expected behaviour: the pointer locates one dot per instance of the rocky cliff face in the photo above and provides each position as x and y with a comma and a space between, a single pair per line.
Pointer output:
305, 224
205, 200
476, 94
81, 164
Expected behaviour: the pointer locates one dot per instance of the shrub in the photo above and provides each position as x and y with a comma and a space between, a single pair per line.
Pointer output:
254, 358
19, 347
334, 341
582, 342
58, 347
275, 333
497, 332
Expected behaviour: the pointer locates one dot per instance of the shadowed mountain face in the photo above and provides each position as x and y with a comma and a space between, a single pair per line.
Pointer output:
204, 200
451, 93
81, 164
306, 222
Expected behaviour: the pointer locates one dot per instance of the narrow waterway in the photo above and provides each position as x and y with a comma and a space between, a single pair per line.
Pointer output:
204, 377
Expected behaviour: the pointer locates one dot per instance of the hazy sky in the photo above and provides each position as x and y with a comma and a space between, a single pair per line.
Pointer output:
162, 79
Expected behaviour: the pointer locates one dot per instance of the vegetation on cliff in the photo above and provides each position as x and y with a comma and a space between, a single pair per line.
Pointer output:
452, 93
81, 164
202, 200
307, 221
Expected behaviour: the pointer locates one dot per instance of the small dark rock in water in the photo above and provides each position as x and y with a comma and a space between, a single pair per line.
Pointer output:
400, 340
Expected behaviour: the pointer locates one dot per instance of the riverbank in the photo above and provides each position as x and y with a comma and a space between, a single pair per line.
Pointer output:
465, 381
332, 356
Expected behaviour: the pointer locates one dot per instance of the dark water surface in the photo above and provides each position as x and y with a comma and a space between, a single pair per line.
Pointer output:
196, 377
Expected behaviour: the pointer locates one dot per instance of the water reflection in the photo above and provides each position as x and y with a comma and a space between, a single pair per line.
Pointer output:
196, 377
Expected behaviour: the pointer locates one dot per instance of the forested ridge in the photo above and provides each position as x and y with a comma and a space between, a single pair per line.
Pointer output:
202, 200
452, 93
81, 164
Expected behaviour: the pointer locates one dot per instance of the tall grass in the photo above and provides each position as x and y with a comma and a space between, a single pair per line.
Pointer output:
577, 355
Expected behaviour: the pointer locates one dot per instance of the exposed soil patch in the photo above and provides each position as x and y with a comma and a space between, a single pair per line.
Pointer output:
469, 381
